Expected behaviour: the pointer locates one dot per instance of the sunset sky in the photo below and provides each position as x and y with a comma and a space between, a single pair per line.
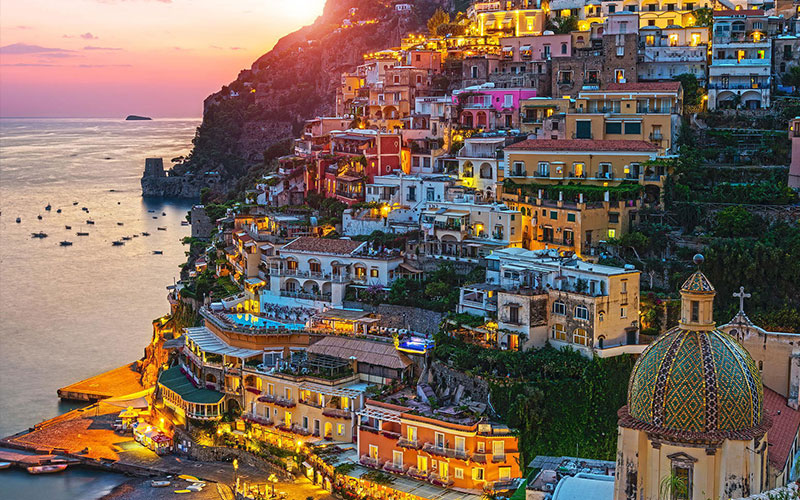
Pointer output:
109, 58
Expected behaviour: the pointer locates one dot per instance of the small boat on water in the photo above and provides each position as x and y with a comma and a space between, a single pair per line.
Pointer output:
48, 207
158, 252
58, 211
46, 469
66, 243
19, 220
126, 238
151, 211
5, 465
39, 235
39, 217
89, 221
74, 203
84, 209
162, 228
120, 223
184, 223
135, 235
117, 243
67, 227
145, 233
155, 483
82, 234
163, 213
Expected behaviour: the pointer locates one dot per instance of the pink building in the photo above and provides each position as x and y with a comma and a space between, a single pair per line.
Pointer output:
486, 107
536, 48
794, 168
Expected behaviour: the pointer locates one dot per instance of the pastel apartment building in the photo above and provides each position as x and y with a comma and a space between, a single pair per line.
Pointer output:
315, 272
584, 161
545, 117
644, 111
480, 164
665, 53
463, 453
506, 18
486, 107
539, 297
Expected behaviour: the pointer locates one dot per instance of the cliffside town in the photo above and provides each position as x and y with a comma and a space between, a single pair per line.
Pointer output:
480, 259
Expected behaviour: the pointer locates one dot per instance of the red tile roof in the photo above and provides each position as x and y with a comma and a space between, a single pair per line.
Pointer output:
785, 423
644, 86
582, 145
322, 245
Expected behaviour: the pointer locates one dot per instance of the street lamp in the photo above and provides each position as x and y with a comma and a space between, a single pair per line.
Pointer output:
235, 476
272, 480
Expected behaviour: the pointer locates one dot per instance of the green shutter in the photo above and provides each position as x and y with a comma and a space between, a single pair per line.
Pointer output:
633, 128
583, 130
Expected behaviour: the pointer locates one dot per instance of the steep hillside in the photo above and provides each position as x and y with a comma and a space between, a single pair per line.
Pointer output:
295, 81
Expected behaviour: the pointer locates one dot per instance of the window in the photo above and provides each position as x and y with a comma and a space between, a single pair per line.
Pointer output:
397, 458
459, 473
612, 233
623, 286
477, 474
508, 100
481, 447
504, 473
601, 316
565, 77
287, 419
544, 169
373, 451
633, 128
578, 169
579, 336
305, 422
563, 48
429, 194
695, 311
439, 440
373, 273
518, 169
444, 469
474, 72
553, 215
422, 463
559, 308
570, 217
411, 195
287, 393
559, 333
612, 8
461, 443
583, 129
623, 312
581, 312
613, 127
513, 318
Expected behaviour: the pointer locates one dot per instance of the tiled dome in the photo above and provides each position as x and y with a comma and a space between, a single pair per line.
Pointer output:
695, 382
698, 283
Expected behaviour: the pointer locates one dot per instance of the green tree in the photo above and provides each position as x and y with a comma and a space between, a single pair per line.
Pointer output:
563, 25
792, 78
703, 16
438, 18
692, 92
735, 222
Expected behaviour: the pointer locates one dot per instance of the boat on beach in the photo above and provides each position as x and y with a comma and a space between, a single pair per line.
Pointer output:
5, 465
67, 227
126, 238
120, 223
158, 252
156, 483
58, 211
46, 469
162, 228
145, 233
39, 217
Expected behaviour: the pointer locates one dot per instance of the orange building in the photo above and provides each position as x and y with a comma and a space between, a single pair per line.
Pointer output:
452, 451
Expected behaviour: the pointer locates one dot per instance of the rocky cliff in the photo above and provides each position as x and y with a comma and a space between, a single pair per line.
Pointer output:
267, 104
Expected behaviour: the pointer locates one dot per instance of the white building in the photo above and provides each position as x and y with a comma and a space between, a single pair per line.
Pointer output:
315, 272
741, 62
481, 164
668, 52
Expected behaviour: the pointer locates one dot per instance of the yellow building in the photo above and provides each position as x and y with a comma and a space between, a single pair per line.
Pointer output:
588, 162
645, 111
577, 226
506, 18
695, 411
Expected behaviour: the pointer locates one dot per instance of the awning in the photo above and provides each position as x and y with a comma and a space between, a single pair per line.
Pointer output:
525, 48
341, 314
508, 49
177, 382
208, 342
440, 218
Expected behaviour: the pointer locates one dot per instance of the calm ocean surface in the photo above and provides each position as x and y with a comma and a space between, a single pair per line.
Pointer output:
67, 313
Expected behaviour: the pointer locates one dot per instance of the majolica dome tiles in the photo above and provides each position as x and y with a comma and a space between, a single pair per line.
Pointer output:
698, 382
697, 283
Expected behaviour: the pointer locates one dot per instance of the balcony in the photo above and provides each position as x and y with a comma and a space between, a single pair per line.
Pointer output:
656, 136
336, 413
256, 418
438, 480
499, 457
443, 451
310, 403
368, 461
322, 297
275, 400
741, 62
417, 473
477, 105
408, 443
393, 467
738, 86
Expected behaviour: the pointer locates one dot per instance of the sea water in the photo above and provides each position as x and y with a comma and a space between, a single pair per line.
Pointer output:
71, 312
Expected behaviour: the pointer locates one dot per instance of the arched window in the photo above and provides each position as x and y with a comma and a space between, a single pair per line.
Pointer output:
579, 336
559, 308
314, 266
291, 264
601, 316
558, 332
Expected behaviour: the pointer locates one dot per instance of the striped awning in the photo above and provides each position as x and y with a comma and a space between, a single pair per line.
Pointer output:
208, 342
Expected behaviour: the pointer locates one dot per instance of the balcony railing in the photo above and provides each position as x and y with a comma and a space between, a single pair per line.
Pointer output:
259, 419
439, 480
368, 461
443, 451
336, 413
417, 473
498, 457
393, 467
408, 443
323, 297
276, 400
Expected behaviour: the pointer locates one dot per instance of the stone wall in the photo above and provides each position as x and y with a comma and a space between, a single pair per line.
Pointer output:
201, 224
446, 382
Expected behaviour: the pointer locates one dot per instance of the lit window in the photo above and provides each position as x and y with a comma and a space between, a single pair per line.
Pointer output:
623, 312
612, 233
373, 273
459, 473
559, 333
477, 474
579, 336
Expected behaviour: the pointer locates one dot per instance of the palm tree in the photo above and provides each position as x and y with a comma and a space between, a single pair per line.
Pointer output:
672, 486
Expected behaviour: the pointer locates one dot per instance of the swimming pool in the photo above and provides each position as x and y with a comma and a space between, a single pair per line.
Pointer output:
259, 322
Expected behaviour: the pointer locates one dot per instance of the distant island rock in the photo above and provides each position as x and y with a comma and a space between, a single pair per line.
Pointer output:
137, 117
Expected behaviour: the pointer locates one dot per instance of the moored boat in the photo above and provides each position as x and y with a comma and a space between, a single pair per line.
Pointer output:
39, 235
67, 227
145, 233
117, 243
5, 465
46, 469
162, 228
158, 252
58, 211
39, 217
48, 207
156, 483
89, 221
82, 234
19, 220
66, 243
